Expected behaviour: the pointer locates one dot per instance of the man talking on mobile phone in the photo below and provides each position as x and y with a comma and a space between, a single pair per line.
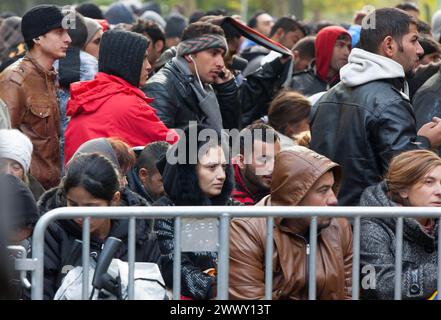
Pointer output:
195, 85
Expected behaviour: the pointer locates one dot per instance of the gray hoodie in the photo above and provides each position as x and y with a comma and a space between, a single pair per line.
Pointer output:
377, 249
364, 66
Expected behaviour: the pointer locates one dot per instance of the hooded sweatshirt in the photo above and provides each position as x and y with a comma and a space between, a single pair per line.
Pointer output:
378, 245
296, 169
324, 49
364, 66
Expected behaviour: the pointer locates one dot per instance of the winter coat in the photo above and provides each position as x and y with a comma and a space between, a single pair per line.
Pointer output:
177, 104
29, 93
378, 245
294, 175
182, 188
427, 101
109, 106
308, 83
364, 121
63, 240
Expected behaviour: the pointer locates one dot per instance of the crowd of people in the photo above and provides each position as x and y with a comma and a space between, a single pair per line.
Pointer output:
128, 107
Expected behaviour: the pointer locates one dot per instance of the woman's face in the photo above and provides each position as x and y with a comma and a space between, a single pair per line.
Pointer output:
80, 197
426, 193
211, 171
12, 167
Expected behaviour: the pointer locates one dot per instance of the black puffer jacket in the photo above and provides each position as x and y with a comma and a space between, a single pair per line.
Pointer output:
378, 245
176, 103
182, 188
427, 101
63, 240
364, 121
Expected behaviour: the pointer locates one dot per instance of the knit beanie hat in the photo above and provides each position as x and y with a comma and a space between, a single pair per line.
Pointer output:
78, 34
176, 23
119, 13
90, 10
40, 20
92, 27
19, 207
156, 18
122, 55
10, 36
16, 146
201, 43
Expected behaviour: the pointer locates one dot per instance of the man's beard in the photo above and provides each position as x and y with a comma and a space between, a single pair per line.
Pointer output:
252, 178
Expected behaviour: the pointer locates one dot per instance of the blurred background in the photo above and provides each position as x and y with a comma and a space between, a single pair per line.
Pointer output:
310, 10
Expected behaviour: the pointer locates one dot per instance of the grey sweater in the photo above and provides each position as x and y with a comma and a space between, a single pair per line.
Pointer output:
377, 249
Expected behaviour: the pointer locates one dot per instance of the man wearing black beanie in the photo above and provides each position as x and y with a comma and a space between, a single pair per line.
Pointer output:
28, 89
112, 105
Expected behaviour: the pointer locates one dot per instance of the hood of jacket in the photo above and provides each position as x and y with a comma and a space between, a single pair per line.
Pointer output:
376, 196
88, 96
324, 48
296, 169
364, 66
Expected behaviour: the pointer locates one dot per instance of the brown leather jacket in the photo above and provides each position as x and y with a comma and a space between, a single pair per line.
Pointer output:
30, 94
294, 174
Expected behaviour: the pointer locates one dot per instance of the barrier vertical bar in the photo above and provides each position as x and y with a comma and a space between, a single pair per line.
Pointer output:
312, 258
132, 234
356, 259
177, 260
86, 251
224, 253
398, 257
269, 259
439, 259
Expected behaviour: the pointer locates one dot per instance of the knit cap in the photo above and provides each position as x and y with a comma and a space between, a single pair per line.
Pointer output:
39, 20
122, 55
16, 146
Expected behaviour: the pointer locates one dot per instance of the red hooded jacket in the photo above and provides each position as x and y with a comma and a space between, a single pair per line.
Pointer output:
324, 49
108, 106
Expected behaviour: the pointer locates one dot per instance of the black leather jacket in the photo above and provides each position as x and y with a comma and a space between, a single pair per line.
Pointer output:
427, 101
307, 83
362, 128
176, 104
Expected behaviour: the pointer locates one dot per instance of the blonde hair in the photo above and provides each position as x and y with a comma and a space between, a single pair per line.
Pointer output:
408, 169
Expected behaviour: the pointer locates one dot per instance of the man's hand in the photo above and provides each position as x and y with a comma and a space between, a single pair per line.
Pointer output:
224, 76
432, 131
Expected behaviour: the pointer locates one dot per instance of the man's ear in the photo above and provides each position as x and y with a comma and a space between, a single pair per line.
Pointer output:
279, 33
159, 46
296, 55
143, 175
404, 194
388, 47
116, 198
187, 58
239, 160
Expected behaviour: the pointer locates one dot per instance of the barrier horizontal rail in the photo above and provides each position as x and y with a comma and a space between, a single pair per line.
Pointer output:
224, 213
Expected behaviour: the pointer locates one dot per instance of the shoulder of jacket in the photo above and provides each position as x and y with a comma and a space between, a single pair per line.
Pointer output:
16, 73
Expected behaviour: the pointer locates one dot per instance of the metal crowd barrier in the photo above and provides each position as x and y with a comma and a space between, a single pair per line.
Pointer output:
224, 214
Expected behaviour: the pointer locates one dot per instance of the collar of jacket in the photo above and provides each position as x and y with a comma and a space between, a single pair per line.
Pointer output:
51, 74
